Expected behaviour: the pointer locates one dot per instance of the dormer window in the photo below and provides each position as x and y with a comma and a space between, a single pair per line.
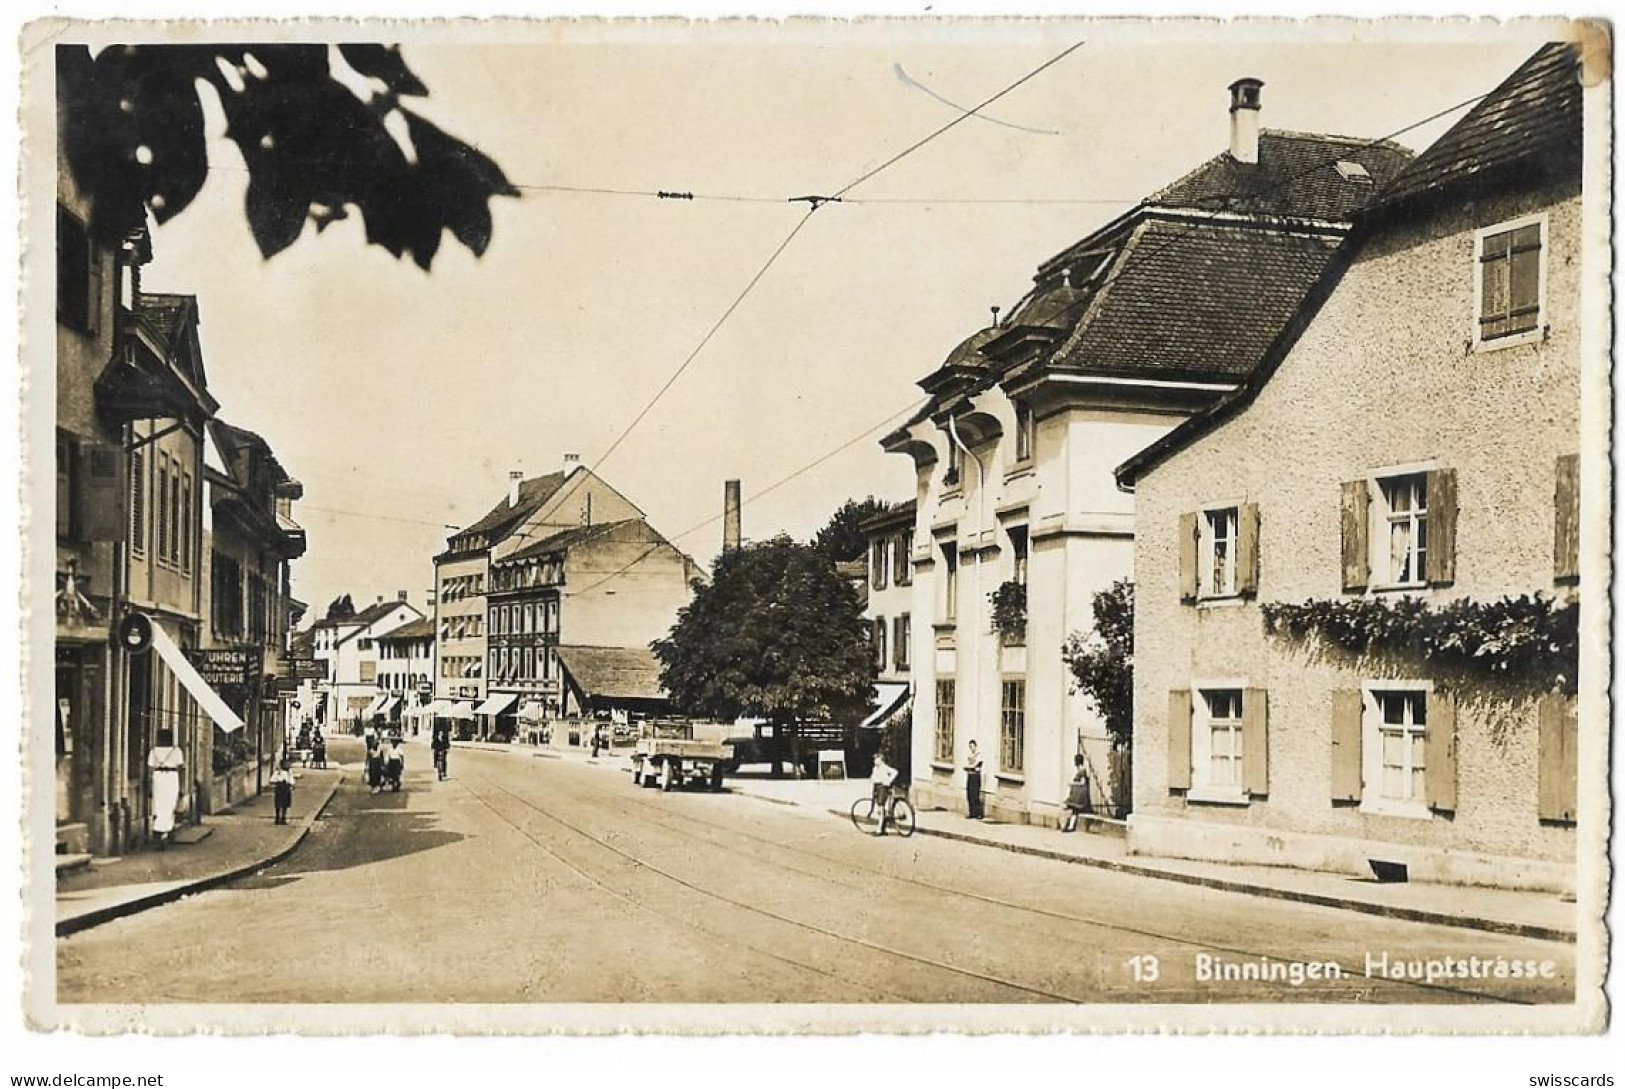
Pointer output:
1352, 171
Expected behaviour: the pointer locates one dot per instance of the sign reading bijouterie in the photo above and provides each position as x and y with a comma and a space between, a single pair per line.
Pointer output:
232, 666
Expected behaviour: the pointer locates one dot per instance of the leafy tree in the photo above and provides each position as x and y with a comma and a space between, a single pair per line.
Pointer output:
132, 125
1102, 663
841, 539
776, 634
341, 608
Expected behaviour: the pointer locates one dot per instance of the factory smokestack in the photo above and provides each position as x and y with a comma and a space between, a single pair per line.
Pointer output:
730, 515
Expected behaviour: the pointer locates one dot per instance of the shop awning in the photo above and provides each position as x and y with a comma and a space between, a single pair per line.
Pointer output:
496, 703
376, 706
389, 705
438, 707
531, 711
196, 687
462, 709
888, 697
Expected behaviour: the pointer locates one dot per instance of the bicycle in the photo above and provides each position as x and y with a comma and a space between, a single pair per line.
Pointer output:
900, 815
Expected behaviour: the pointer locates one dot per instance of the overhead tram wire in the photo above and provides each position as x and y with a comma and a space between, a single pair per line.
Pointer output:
813, 204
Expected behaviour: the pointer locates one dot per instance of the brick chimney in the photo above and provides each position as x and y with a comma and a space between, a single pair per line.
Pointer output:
1244, 110
400, 595
572, 462
730, 515
515, 478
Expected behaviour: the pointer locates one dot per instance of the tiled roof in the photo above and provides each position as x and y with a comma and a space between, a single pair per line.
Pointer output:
302, 644
1199, 299
1532, 120
421, 628
365, 618
503, 517
564, 540
613, 672
1296, 175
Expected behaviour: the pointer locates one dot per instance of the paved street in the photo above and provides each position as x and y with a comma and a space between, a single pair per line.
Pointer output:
523, 879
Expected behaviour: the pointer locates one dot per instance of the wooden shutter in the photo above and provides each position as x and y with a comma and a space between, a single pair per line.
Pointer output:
1441, 558
1440, 752
1255, 753
66, 494
1559, 758
1179, 739
1356, 535
1247, 549
100, 515
1187, 557
1348, 771
1566, 545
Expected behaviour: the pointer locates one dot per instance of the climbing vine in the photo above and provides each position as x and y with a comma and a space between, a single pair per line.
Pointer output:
1009, 608
1528, 641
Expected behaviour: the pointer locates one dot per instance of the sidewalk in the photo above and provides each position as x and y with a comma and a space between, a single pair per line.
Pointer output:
1543, 916
226, 846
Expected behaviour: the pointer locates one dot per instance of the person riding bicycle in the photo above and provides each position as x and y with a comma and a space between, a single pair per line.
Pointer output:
441, 744
881, 780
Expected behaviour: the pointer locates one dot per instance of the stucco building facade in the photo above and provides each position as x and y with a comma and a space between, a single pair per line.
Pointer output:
1413, 436
1123, 335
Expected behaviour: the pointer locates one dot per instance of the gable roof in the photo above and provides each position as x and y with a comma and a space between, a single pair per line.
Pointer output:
1530, 122
366, 618
532, 494
619, 531
1536, 85
1296, 176
421, 628
613, 672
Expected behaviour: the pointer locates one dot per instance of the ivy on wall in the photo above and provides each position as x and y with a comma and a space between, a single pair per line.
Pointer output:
1009, 608
1529, 641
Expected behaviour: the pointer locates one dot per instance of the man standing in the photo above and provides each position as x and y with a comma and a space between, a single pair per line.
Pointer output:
973, 783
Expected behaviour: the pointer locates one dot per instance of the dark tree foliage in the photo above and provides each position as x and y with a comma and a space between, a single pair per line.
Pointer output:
841, 539
1103, 664
341, 608
132, 125
776, 634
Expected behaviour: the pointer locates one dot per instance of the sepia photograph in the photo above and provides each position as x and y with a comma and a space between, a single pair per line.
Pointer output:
878, 526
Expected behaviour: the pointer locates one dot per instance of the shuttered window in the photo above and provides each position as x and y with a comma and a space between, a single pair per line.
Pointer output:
877, 564
162, 488
1509, 269
880, 642
902, 568
1400, 530
1566, 535
1408, 749
1559, 758
901, 635
74, 259
1179, 739
66, 459
99, 515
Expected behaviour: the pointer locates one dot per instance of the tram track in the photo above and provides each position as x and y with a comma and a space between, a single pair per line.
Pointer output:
666, 814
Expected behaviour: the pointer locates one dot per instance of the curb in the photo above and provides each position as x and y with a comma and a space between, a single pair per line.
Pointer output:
1269, 892
97, 916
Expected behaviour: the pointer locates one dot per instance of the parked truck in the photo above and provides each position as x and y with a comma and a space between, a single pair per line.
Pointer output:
668, 755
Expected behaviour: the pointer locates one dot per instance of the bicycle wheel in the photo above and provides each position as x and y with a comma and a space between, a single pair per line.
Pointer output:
902, 817
864, 816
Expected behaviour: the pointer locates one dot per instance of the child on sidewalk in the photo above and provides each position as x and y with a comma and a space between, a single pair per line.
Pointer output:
282, 787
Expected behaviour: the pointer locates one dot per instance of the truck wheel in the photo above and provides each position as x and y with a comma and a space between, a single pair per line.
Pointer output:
666, 775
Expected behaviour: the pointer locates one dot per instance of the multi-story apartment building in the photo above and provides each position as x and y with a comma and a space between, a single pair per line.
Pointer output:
250, 541
1412, 442
406, 670
351, 694
1115, 344
602, 586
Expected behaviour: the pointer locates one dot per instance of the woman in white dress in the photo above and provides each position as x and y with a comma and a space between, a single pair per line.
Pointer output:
166, 762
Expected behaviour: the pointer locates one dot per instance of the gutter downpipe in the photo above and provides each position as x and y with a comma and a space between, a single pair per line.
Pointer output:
981, 500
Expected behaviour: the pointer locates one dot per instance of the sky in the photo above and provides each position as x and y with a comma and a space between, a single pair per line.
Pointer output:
401, 399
